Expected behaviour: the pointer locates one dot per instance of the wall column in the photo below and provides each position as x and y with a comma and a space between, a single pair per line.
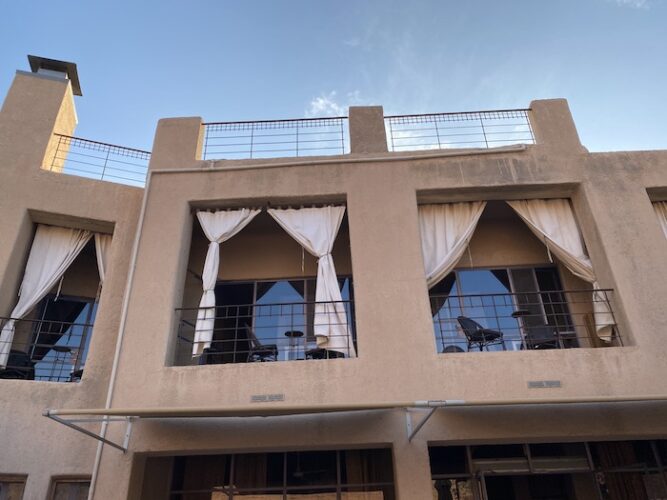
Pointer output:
367, 134
412, 470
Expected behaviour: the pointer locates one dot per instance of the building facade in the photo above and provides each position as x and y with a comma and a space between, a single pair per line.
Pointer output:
462, 305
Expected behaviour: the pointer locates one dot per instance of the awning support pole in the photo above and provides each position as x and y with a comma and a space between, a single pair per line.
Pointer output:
70, 424
412, 433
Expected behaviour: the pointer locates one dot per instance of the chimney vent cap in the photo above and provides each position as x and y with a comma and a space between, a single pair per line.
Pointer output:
69, 68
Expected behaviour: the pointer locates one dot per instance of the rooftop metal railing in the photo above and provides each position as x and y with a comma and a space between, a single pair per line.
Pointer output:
276, 138
560, 319
47, 350
477, 129
267, 332
99, 160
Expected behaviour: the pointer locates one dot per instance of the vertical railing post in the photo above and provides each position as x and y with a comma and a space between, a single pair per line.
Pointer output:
252, 139
55, 154
206, 131
391, 135
342, 137
437, 132
297, 138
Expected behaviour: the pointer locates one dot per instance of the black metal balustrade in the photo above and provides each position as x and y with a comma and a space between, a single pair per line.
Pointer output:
560, 319
268, 332
477, 129
99, 160
275, 138
47, 350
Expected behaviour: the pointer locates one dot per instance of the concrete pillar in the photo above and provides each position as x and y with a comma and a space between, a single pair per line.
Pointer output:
627, 249
367, 133
412, 470
553, 126
36, 107
178, 143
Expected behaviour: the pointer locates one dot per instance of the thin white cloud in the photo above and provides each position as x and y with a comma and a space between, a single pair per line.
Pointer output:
327, 104
635, 4
352, 42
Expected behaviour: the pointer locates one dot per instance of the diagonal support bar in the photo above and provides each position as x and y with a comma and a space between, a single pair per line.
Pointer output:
413, 432
71, 424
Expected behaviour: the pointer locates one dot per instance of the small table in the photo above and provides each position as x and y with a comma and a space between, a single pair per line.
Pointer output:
293, 336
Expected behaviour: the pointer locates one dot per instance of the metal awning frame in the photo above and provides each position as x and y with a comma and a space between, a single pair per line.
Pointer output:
130, 415
72, 424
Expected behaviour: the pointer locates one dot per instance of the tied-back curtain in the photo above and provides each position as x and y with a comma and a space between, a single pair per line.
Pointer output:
553, 222
53, 251
218, 227
446, 230
660, 208
316, 229
102, 244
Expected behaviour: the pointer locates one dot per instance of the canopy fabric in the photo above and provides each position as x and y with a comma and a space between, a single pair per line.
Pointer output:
553, 222
316, 229
102, 245
218, 227
53, 251
446, 230
660, 208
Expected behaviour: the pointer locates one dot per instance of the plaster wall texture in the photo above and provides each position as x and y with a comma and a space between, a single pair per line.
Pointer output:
397, 357
33, 110
380, 247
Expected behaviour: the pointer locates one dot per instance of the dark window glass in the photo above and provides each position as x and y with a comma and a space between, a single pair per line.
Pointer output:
445, 308
498, 451
71, 490
311, 468
487, 301
448, 459
558, 450
11, 487
555, 303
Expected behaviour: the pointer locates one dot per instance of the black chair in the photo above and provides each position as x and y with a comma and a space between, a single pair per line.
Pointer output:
319, 353
258, 351
477, 334
19, 366
542, 337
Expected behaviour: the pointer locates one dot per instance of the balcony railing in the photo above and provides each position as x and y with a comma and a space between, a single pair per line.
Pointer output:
268, 332
276, 138
478, 129
46, 350
561, 319
99, 160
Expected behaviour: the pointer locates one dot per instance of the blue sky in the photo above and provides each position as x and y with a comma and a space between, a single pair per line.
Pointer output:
143, 60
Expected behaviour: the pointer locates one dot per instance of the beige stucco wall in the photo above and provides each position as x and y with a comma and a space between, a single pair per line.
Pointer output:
398, 359
29, 443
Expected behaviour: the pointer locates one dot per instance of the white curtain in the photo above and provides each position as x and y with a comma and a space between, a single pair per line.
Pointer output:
446, 230
53, 251
102, 245
553, 222
218, 227
316, 229
660, 208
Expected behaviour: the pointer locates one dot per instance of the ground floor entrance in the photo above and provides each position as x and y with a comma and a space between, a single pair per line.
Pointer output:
611, 470
308, 475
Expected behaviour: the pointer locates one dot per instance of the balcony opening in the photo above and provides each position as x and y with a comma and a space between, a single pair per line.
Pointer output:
266, 306
613, 470
322, 475
49, 341
508, 291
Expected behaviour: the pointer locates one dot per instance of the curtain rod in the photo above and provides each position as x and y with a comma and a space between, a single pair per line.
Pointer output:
269, 205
